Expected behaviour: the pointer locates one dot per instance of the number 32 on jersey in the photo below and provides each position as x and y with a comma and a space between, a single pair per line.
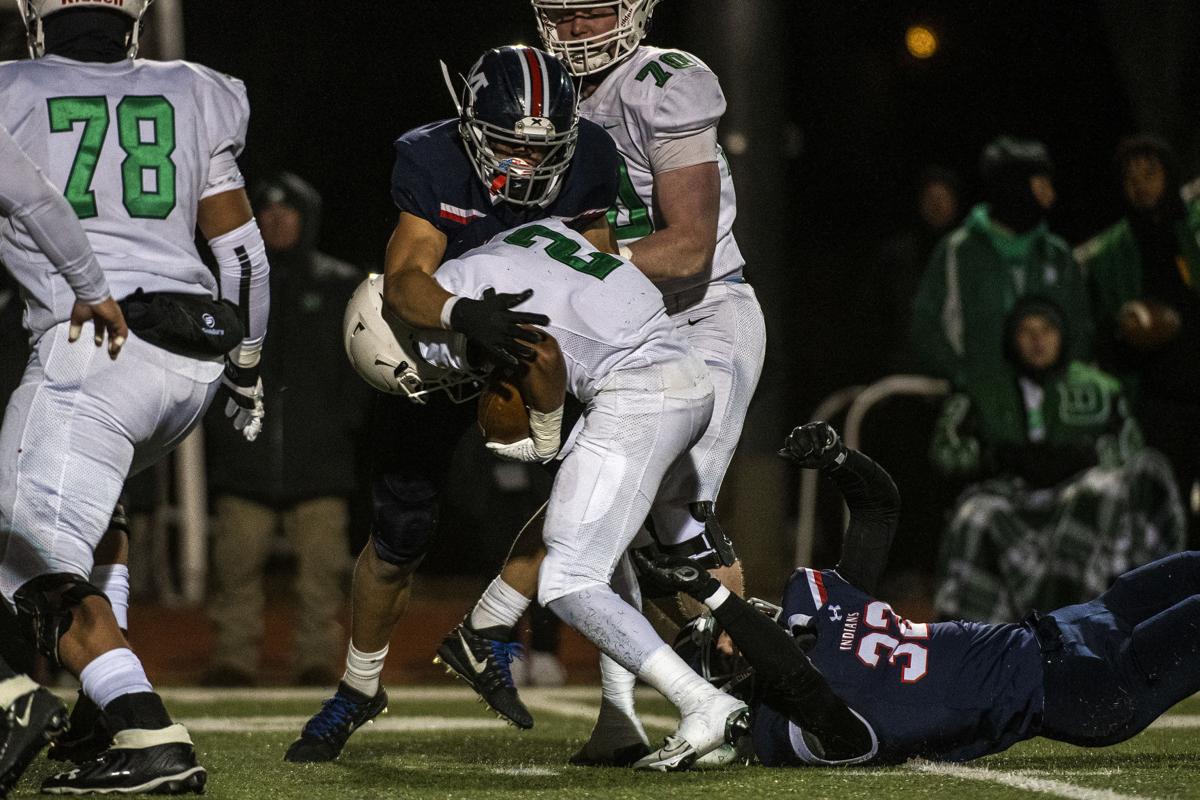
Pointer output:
146, 135
899, 649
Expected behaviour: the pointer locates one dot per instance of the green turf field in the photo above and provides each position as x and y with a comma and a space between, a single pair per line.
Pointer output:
436, 742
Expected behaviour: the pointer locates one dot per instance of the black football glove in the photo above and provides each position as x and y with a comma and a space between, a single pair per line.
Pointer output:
491, 323
815, 445
675, 574
243, 390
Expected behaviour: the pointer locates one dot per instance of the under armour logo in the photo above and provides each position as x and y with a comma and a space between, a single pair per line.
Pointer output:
835, 613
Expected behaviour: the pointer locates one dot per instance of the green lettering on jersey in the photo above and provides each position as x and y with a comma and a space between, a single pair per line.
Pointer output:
563, 250
93, 113
142, 158
146, 158
653, 69
638, 222
676, 60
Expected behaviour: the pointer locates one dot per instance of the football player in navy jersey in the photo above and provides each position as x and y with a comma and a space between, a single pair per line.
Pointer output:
842, 679
517, 152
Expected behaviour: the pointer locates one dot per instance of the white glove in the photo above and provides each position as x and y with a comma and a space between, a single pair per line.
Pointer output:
523, 450
541, 445
244, 404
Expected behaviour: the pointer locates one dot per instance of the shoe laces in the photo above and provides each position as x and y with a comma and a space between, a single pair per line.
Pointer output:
336, 715
503, 654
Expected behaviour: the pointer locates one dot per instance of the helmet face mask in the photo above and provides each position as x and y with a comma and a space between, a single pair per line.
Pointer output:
598, 52
384, 351
696, 643
519, 122
34, 11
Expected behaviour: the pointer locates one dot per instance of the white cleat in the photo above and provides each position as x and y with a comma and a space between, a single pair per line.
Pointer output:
721, 721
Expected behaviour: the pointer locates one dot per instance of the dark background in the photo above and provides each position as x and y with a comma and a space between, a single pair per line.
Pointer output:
829, 121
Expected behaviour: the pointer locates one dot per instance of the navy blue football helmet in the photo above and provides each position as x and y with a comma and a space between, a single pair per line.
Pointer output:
519, 120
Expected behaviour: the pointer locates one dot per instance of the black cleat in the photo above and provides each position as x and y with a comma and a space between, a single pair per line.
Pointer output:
326, 733
486, 664
87, 737
161, 761
30, 717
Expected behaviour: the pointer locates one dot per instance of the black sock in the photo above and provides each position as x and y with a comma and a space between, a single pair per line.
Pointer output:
137, 710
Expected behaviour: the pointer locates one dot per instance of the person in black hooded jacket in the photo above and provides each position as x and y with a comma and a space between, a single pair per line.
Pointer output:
299, 473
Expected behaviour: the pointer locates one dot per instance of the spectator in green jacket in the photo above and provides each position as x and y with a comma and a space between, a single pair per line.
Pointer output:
1004, 250
1153, 254
1067, 497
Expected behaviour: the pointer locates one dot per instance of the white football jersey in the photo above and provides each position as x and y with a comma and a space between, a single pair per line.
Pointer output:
605, 314
130, 145
660, 94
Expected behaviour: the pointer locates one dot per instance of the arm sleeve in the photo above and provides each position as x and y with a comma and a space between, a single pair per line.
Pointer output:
685, 151
27, 196
792, 685
874, 504
245, 278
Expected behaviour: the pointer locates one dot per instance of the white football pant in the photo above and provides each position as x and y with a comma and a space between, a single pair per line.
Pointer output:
75, 428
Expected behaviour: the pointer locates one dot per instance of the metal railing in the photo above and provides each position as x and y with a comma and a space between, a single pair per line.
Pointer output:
860, 400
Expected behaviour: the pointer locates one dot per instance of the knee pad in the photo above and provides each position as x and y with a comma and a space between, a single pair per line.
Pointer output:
710, 549
45, 609
403, 517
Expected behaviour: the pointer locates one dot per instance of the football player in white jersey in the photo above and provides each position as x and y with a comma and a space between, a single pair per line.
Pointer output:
648, 400
30, 715
144, 152
674, 220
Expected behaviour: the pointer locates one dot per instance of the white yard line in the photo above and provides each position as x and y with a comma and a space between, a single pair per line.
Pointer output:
1177, 721
1018, 780
290, 724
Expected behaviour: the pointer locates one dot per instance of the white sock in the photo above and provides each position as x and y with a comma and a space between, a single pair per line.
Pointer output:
363, 669
113, 580
500, 607
675, 680
112, 674
617, 724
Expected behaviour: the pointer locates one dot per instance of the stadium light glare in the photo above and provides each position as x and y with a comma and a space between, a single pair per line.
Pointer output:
921, 42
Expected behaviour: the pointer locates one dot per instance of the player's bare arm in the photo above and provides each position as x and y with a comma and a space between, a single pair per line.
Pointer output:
687, 201
601, 235
414, 253
542, 379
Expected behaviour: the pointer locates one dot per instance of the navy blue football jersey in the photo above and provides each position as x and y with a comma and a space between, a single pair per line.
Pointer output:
948, 691
433, 178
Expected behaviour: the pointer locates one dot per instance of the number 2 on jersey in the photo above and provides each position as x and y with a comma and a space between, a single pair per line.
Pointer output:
563, 249
145, 132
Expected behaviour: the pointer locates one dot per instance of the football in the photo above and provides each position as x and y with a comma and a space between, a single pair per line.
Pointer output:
502, 415
1147, 324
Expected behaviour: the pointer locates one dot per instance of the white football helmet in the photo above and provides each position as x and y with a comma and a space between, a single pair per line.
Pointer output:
384, 351
595, 53
34, 11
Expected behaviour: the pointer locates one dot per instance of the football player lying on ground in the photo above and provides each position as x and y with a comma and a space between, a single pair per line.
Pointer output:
844, 680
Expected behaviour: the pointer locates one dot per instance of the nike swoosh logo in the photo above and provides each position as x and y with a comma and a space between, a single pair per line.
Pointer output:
23, 720
606, 126
698, 320
476, 664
